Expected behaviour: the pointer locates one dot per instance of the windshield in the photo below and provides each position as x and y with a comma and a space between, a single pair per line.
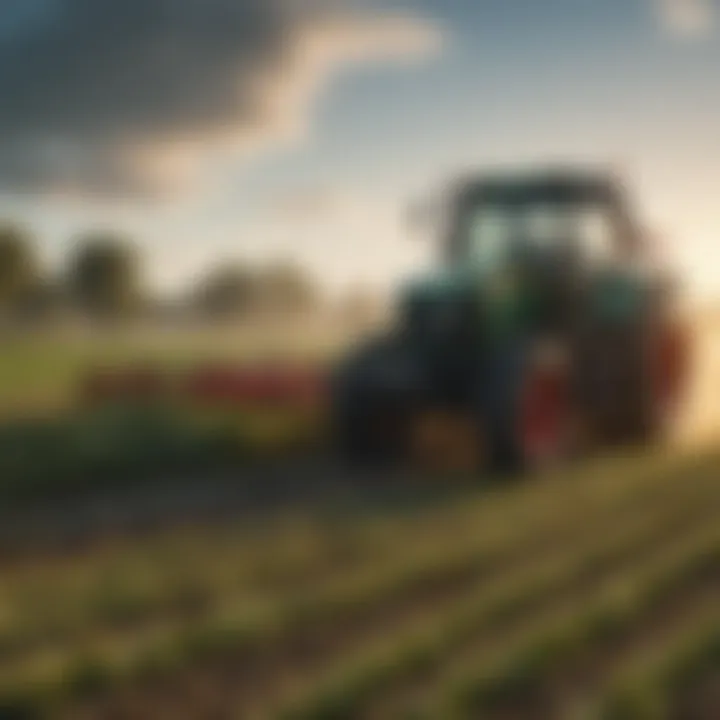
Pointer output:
488, 236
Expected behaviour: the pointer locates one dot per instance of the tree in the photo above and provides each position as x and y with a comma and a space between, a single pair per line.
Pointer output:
227, 292
19, 272
103, 277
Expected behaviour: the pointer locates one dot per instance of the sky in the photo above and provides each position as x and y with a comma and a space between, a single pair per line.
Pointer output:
214, 130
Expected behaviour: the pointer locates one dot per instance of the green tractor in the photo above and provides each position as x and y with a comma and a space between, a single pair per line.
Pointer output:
547, 331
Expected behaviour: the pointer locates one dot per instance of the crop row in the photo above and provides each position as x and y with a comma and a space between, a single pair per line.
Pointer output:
248, 634
250, 621
650, 684
370, 561
355, 685
477, 683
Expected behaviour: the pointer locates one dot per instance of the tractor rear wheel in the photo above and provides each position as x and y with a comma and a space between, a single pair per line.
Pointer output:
635, 379
665, 357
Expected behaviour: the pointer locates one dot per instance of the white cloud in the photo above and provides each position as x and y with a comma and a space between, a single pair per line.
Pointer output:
686, 18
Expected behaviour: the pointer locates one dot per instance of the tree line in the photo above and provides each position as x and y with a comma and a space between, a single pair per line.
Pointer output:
102, 280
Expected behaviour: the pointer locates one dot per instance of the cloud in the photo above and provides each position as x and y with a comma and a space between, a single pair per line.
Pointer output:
686, 18
137, 96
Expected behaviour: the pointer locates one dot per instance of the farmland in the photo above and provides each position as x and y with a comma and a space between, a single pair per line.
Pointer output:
594, 591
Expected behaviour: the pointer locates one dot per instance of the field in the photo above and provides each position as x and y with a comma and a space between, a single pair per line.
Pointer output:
224, 590
595, 593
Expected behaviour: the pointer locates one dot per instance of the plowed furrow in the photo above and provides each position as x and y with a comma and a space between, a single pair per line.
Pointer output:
428, 627
554, 661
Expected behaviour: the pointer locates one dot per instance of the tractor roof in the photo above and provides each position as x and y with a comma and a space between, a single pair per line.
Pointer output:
551, 186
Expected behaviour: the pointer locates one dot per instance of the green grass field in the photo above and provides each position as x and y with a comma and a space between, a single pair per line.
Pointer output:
595, 593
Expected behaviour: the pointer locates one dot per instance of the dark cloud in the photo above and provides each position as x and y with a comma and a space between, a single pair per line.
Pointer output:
129, 94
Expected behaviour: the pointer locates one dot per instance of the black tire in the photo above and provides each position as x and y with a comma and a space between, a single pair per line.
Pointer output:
653, 408
623, 392
612, 380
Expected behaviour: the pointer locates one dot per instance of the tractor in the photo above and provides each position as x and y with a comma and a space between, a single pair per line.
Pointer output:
547, 331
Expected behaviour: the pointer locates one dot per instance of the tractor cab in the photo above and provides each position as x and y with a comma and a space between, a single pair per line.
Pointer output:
540, 243
530, 254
